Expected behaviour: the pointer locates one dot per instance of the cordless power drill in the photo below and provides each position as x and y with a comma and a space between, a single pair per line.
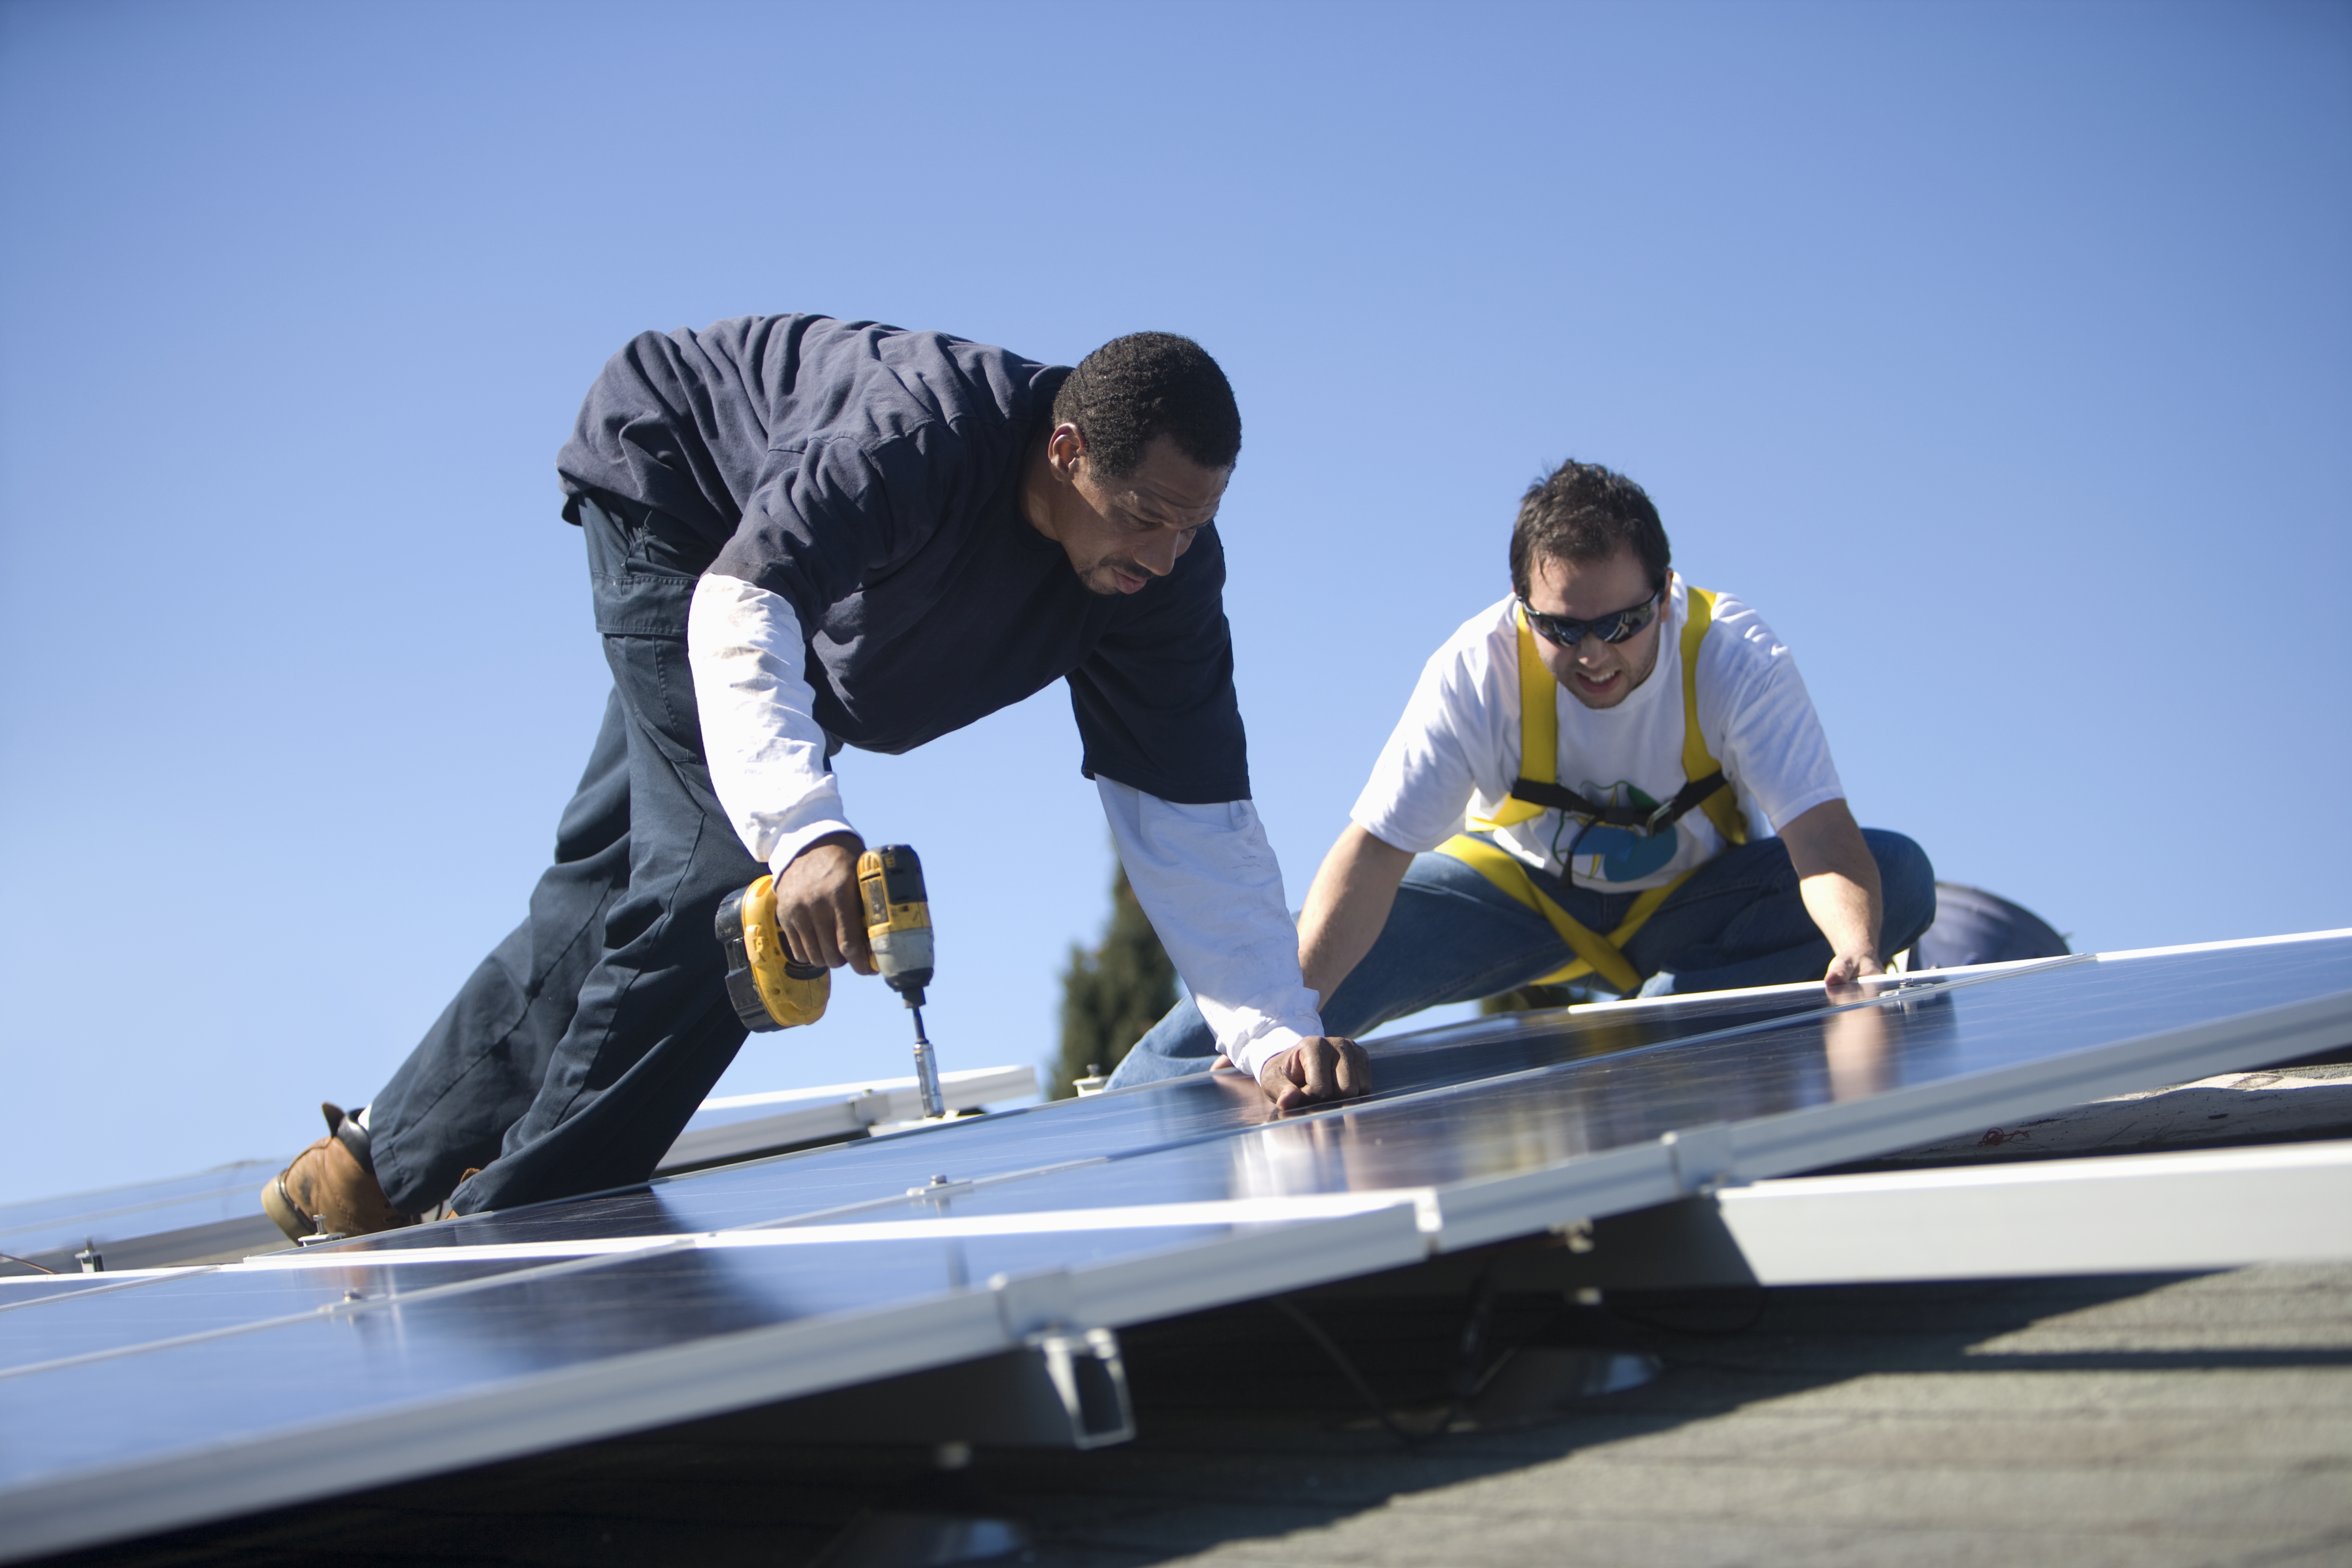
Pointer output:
771, 991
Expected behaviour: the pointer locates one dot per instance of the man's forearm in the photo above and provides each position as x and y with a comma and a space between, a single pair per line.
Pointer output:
1846, 911
1346, 908
1838, 878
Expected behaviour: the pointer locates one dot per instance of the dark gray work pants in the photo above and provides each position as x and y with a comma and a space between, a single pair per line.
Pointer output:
572, 1056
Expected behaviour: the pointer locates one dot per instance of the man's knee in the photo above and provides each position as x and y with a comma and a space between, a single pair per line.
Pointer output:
1906, 882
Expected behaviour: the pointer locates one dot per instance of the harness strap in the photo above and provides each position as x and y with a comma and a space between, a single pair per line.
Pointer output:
1595, 953
1698, 763
1538, 733
1537, 788
1649, 820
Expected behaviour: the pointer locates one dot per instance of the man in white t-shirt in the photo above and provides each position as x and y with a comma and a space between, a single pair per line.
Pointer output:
1610, 775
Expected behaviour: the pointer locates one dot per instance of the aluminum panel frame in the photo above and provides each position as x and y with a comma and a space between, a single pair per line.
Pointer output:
2118, 1214
705, 1377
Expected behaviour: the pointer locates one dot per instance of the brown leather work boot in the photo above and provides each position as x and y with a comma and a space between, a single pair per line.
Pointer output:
442, 1210
331, 1188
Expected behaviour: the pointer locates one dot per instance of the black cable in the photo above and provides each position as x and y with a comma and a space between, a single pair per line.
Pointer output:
1339, 1359
12, 1257
1477, 1323
1468, 1355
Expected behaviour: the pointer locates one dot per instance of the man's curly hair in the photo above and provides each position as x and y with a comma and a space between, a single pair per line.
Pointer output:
1144, 386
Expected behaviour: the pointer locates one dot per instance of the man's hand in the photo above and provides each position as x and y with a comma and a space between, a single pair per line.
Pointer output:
817, 907
1325, 1066
1847, 971
1838, 878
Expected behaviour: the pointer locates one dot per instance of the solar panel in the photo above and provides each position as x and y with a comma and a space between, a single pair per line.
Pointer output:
195, 1210
211, 1216
196, 1393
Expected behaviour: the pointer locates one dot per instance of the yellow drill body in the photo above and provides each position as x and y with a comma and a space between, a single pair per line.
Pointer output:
770, 991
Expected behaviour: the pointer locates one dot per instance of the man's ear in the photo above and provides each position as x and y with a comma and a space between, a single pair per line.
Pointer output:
1064, 447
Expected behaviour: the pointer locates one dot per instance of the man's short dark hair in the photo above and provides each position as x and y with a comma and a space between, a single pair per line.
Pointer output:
1582, 514
1144, 386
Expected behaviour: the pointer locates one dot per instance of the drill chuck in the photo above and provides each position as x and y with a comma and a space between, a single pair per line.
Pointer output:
899, 928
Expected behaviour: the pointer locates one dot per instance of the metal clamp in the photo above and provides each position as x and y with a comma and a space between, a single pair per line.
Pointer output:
1090, 1379
321, 1233
1703, 1157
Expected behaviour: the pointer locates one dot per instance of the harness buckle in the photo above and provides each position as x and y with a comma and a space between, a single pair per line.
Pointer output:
1664, 817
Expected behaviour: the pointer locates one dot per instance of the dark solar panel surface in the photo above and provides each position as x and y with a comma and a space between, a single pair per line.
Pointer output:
1102, 1129
48, 1225
232, 1387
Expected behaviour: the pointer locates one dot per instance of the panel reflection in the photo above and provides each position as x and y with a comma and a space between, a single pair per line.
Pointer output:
1468, 1102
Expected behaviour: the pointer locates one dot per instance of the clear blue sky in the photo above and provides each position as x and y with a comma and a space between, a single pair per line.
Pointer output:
2001, 355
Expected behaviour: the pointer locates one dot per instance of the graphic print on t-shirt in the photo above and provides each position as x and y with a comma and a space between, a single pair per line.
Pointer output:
1615, 854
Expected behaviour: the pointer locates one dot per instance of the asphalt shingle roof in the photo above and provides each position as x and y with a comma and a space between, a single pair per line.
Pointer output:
2204, 1420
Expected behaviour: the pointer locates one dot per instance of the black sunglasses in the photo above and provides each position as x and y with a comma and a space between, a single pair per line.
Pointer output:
1611, 628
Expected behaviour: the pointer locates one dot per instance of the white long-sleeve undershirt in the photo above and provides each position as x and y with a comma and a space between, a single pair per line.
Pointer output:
1207, 877
1204, 874
760, 733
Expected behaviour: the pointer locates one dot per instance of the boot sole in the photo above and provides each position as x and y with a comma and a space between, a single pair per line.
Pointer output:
281, 1213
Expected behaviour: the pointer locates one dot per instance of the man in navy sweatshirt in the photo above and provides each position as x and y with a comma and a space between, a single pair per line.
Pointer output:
805, 533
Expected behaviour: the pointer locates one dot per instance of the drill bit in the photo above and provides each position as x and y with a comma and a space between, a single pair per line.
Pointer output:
927, 1071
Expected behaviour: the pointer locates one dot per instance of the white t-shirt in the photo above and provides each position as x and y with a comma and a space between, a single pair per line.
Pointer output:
1457, 745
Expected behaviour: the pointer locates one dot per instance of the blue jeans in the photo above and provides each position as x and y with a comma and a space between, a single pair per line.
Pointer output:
1454, 936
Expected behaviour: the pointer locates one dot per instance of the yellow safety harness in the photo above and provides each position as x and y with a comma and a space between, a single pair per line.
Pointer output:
1538, 790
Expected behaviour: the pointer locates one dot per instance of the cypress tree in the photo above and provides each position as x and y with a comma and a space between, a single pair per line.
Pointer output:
1112, 996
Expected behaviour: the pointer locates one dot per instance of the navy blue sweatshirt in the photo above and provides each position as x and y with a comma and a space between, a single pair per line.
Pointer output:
870, 476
